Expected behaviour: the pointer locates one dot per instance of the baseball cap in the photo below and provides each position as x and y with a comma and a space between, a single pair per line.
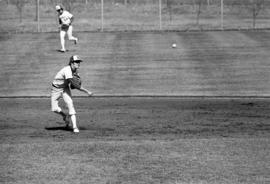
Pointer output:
75, 58
58, 7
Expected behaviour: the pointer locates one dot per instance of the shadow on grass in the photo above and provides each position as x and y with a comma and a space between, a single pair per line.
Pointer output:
59, 50
58, 128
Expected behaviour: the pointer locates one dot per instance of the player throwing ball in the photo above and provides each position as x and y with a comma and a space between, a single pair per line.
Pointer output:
65, 80
65, 20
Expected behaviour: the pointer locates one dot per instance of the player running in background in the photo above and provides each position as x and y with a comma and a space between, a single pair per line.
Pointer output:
61, 87
65, 20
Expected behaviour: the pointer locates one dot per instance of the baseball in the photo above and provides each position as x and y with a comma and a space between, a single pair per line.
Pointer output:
174, 45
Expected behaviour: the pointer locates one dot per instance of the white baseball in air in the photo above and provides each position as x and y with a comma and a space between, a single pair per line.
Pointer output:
174, 45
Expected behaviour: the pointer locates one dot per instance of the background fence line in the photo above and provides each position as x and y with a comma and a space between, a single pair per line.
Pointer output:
138, 15
160, 15
221, 13
38, 19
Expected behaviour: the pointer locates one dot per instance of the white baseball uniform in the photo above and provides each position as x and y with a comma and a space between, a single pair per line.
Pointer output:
60, 88
65, 19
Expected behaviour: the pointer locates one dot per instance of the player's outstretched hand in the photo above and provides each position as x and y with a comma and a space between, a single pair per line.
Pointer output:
90, 93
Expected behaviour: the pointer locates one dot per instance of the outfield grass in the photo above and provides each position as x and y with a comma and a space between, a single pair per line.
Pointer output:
128, 64
230, 161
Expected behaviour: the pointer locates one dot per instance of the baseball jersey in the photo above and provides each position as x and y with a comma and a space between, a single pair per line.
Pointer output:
61, 78
65, 17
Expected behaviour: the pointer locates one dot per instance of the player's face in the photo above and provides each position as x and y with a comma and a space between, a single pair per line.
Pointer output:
76, 65
60, 11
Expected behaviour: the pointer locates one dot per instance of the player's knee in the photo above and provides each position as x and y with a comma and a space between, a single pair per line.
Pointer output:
62, 37
71, 111
56, 110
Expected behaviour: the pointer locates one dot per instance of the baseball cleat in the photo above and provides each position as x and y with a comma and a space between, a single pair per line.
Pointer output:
62, 50
66, 120
76, 41
76, 130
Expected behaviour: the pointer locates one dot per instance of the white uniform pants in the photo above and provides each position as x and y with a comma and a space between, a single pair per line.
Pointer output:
63, 34
56, 94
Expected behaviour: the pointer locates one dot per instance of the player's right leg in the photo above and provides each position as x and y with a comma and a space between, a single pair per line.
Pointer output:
71, 110
70, 36
62, 40
74, 122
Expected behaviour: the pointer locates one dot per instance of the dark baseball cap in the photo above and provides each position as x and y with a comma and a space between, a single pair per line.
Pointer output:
75, 59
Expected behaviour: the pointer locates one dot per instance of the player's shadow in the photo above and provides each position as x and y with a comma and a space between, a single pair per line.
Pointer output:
59, 128
62, 127
56, 128
58, 50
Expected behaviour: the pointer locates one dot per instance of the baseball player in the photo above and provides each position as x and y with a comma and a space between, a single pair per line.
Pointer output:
65, 20
63, 82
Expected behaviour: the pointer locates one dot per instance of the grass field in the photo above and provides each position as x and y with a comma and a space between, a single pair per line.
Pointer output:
137, 140
196, 114
203, 64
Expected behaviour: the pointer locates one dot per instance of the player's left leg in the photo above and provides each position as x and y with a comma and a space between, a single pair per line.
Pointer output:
55, 96
70, 36
62, 40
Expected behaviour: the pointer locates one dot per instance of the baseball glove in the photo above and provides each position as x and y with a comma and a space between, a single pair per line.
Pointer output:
76, 82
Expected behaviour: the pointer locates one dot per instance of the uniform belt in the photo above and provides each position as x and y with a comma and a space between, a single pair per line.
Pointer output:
54, 86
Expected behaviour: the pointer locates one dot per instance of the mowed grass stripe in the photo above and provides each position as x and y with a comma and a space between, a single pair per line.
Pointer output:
132, 63
227, 63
